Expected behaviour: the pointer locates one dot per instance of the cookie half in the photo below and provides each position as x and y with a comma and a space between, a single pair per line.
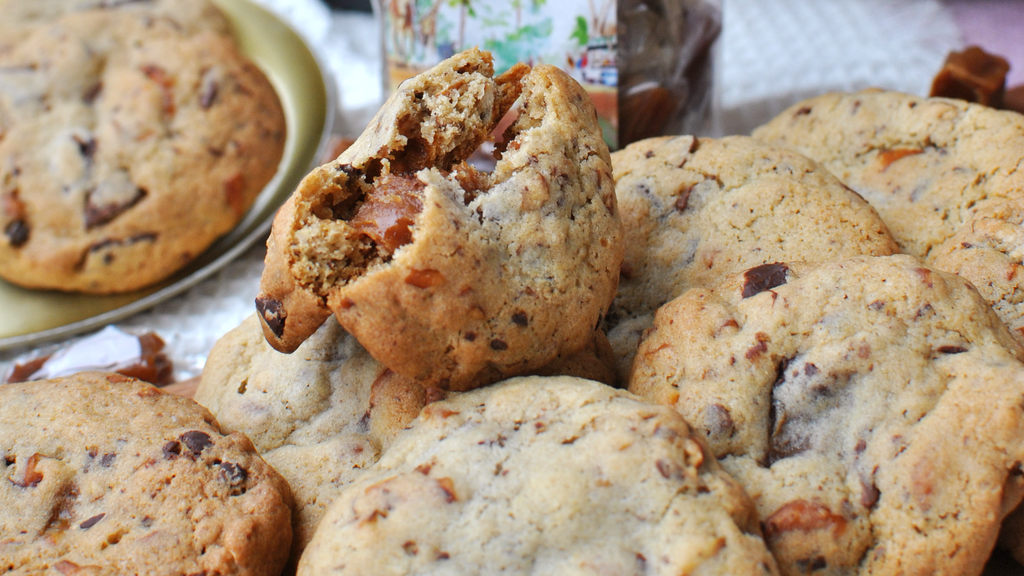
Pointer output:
542, 476
450, 276
129, 142
870, 406
103, 474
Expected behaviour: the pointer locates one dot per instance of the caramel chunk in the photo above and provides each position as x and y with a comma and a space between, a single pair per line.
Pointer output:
387, 215
1013, 99
763, 277
973, 75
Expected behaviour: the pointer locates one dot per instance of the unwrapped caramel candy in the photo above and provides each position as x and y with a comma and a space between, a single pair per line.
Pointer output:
972, 75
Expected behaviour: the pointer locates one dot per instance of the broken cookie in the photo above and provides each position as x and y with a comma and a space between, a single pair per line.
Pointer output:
446, 274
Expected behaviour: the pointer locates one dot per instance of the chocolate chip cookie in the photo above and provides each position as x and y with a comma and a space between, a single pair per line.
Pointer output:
104, 474
926, 164
324, 413
870, 406
539, 475
129, 142
448, 275
697, 209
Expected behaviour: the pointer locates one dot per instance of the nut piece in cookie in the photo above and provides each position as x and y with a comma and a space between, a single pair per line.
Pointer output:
104, 474
542, 475
447, 275
871, 405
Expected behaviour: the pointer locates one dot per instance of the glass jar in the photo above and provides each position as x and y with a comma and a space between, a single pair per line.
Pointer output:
648, 65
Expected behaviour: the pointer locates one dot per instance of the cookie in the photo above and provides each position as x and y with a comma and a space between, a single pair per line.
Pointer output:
103, 474
450, 276
129, 142
324, 413
870, 406
696, 210
987, 251
539, 475
292, 300
927, 165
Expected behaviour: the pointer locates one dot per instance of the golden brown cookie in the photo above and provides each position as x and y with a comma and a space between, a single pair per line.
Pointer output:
542, 475
104, 474
927, 165
447, 275
989, 252
870, 406
695, 210
323, 414
130, 140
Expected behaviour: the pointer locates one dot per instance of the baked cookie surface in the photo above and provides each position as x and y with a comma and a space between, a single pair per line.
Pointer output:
542, 476
103, 474
870, 406
927, 165
324, 414
696, 210
989, 252
447, 275
130, 140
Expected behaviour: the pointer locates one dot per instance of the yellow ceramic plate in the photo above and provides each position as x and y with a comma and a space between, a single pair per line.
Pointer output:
307, 95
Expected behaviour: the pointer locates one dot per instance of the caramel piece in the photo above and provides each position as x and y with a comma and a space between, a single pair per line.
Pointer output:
972, 75
887, 157
388, 214
1013, 99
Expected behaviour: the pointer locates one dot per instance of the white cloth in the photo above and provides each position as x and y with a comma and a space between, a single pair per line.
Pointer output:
777, 53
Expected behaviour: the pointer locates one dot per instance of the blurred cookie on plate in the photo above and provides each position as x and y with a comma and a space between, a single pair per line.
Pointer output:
103, 474
539, 475
130, 140
870, 406
448, 275
695, 210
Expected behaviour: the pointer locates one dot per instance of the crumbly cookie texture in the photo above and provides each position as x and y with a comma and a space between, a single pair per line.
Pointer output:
103, 474
542, 476
695, 210
926, 164
129, 142
323, 414
433, 118
450, 276
870, 406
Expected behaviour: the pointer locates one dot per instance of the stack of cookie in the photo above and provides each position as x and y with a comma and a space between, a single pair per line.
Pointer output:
132, 135
810, 389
